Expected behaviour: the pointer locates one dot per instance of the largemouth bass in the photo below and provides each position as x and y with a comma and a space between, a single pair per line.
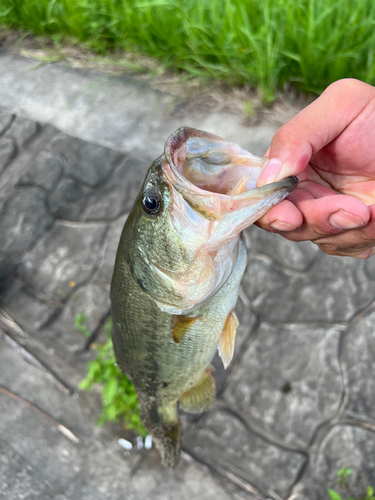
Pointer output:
178, 269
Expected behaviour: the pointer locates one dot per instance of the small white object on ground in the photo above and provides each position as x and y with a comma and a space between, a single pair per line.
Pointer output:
148, 442
125, 444
139, 443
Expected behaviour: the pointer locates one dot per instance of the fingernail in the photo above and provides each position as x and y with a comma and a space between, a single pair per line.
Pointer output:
344, 220
278, 225
269, 172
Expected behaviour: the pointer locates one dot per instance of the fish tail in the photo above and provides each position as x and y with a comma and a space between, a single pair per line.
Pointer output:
167, 439
165, 428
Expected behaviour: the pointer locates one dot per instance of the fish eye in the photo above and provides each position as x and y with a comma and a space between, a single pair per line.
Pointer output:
151, 202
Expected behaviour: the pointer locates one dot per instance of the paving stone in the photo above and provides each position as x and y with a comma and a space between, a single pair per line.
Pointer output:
247, 321
5, 121
359, 355
62, 336
85, 470
105, 271
289, 380
31, 383
63, 256
68, 200
344, 446
88, 470
187, 481
22, 131
72, 200
222, 441
6, 267
117, 112
45, 171
23, 219
29, 311
86, 162
8, 150
333, 290
117, 195
370, 267
298, 256
20, 480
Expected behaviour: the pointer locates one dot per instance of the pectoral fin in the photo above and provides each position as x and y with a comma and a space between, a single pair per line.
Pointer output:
226, 346
180, 325
201, 396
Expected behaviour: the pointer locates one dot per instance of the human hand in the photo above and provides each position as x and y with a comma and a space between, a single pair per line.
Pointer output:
330, 146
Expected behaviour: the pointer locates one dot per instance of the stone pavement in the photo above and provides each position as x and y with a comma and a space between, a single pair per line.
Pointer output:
297, 402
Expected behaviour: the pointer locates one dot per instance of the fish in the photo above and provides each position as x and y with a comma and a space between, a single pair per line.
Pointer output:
177, 275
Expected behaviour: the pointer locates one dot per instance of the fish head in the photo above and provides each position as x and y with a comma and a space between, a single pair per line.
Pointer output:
195, 201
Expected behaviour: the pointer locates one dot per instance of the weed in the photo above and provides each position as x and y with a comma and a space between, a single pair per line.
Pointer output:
249, 109
341, 477
79, 323
119, 399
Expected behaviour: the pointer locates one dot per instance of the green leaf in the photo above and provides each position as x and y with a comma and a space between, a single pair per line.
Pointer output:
333, 495
85, 384
344, 473
110, 389
119, 399
79, 322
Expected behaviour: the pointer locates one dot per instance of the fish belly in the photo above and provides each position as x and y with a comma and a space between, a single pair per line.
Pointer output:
160, 368
143, 342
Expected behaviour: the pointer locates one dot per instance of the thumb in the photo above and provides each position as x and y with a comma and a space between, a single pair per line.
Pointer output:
313, 128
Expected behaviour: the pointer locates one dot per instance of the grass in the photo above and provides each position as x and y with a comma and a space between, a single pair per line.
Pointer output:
266, 43
341, 479
119, 399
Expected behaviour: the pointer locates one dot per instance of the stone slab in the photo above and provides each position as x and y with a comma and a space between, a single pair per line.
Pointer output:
289, 381
344, 446
359, 357
223, 441
24, 218
298, 256
333, 290
65, 257
117, 112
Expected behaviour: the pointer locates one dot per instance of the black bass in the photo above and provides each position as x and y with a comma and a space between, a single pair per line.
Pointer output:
178, 269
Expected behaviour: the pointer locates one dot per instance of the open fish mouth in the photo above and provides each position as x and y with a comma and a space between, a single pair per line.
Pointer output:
217, 178
212, 198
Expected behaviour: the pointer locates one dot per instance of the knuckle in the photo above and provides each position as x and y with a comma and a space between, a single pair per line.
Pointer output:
287, 131
345, 85
327, 247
